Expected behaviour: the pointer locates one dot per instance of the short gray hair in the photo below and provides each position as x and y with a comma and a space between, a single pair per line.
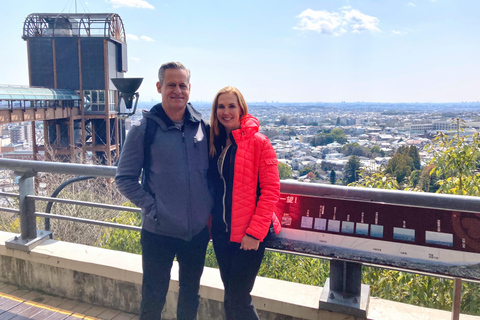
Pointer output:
171, 65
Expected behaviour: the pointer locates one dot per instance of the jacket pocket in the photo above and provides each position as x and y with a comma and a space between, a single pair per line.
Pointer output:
271, 168
151, 213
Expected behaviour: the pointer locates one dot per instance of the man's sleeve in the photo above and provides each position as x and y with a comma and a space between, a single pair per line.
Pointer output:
129, 168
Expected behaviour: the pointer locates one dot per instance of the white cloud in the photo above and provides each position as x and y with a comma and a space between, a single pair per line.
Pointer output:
131, 3
132, 37
359, 21
321, 21
134, 59
145, 38
398, 32
337, 23
411, 4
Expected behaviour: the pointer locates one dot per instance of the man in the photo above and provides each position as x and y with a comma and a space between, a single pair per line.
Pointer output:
170, 146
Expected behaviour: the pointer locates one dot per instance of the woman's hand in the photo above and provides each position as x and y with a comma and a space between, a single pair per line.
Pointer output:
249, 243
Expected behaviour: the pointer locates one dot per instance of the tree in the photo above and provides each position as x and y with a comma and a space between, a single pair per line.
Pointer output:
333, 177
456, 162
402, 163
305, 170
376, 180
376, 151
355, 149
311, 175
415, 177
413, 153
352, 169
285, 171
398, 167
339, 135
283, 121
322, 139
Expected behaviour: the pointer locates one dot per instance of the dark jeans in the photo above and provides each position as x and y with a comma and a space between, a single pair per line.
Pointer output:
157, 258
238, 269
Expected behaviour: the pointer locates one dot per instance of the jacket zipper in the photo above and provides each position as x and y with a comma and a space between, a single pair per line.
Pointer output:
188, 179
224, 152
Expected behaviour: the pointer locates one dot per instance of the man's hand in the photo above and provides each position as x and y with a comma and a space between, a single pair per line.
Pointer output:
249, 243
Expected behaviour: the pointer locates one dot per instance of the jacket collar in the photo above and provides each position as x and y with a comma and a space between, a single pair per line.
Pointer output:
157, 113
248, 127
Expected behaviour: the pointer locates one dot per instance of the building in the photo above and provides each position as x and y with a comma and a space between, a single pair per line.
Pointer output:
81, 53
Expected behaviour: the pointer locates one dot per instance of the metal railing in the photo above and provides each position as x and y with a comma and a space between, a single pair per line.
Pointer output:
31, 237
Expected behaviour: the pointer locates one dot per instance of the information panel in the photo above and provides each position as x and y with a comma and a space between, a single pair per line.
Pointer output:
444, 242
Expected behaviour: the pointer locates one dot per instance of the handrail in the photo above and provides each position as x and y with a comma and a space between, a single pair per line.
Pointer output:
88, 221
54, 167
86, 203
406, 198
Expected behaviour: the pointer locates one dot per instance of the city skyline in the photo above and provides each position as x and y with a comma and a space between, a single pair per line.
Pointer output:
306, 51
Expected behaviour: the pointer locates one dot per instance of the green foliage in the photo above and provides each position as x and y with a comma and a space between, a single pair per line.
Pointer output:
376, 151
210, 258
285, 171
413, 153
120, 239
456, 162
376, 180
289, 267
355, 149
333, 177
352, 170
339, 135
323, 139
415, 177
420, 290
403, 163
305, 171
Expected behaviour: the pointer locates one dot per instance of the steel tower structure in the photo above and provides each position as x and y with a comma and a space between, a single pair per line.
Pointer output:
80, 52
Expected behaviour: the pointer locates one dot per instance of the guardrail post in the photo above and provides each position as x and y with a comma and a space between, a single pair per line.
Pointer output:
28, 225
457, 298
30, 237
343, 291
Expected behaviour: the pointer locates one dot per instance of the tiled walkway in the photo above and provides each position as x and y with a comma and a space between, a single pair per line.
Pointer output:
18, 304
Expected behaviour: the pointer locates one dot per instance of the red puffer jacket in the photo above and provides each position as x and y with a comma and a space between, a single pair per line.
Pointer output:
256, 164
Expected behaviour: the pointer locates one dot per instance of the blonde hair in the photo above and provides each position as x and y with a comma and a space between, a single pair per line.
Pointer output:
215, 126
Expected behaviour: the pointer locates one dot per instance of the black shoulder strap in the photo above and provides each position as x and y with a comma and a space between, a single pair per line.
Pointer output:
206, 126
150, 131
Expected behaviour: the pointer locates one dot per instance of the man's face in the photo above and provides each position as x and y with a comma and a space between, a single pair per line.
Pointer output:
175, 90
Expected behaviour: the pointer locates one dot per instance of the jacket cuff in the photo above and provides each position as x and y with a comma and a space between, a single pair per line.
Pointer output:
251, 236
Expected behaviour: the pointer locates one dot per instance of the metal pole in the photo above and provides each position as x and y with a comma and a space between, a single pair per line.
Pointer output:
28, 224
457, 299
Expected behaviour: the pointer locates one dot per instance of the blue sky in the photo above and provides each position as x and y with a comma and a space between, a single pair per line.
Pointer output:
290, 51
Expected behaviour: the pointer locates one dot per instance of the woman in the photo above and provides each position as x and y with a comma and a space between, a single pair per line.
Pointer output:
244, 174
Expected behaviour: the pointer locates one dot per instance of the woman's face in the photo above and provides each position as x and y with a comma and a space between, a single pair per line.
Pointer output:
228, 111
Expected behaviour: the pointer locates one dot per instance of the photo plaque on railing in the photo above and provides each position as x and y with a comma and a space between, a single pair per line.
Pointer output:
436, 241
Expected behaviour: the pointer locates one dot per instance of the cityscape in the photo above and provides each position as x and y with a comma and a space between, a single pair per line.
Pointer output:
292, 128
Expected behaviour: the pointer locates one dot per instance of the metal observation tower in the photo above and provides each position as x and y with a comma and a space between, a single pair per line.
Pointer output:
72, 59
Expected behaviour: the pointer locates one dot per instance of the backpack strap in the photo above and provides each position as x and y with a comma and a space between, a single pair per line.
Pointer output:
150, 131
206, 127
